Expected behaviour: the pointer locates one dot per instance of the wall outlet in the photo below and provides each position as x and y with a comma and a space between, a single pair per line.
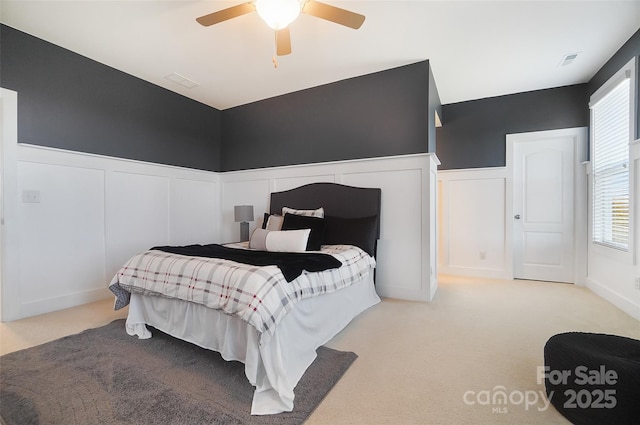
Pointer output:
31, 196
637, 284
483, 255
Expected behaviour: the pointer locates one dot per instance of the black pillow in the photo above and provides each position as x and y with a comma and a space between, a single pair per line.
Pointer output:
316, 224
265, 219
361, 232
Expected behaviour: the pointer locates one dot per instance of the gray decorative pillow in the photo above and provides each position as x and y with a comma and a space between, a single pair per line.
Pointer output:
275, 222
309, 213
272, 221
259, 239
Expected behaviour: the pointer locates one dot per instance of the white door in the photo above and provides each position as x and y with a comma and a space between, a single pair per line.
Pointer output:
543, 200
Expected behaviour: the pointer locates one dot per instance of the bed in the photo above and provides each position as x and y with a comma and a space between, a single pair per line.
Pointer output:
277, 347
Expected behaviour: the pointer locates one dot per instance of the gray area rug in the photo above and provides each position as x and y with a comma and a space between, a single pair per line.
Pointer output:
104, 376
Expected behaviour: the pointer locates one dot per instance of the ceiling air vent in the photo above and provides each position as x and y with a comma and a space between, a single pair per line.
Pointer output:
567, 59
182, 80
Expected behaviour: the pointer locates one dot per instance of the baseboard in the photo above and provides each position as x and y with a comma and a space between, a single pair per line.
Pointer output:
422, 295
614, 298
61, 302
474, 272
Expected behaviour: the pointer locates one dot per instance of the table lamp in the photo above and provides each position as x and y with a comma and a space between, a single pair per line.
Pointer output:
243, 214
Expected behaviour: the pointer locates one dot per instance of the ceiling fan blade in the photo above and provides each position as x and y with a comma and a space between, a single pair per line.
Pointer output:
225, 14
333, 14
283, 42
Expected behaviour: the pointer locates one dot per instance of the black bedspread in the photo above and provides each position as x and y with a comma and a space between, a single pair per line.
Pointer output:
290, 263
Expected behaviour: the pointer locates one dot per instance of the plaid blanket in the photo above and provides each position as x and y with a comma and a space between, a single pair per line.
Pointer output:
260, 296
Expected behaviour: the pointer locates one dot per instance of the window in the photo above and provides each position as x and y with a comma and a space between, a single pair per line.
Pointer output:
610, 138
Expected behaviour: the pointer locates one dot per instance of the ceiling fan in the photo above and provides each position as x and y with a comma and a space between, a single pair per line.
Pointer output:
278, 14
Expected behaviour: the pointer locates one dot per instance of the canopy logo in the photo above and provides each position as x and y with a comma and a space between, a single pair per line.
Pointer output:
499, 399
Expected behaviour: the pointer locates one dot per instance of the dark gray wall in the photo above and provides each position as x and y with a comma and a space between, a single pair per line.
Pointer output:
70, 102
473, 133
374, 115
435, 106
631, 49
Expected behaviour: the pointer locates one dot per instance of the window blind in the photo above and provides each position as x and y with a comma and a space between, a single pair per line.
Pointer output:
610, 161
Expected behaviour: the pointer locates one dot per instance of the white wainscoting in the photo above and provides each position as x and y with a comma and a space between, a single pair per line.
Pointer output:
406, 259
95, 212
62, 238
472, 232
92, 213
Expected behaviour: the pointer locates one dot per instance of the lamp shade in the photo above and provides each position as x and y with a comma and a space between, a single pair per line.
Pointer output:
243, 213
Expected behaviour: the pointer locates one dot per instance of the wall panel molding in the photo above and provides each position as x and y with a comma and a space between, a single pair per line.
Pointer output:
128, 206
472, 238
407, 266
93, 213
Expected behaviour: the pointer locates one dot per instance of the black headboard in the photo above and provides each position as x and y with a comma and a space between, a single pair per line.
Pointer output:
337, 200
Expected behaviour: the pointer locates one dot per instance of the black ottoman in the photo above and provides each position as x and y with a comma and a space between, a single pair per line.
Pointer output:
593, 378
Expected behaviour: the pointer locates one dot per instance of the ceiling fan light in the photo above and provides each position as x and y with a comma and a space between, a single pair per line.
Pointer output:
278, 13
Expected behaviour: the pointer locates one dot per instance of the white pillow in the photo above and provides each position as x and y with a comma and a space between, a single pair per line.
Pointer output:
288, 240
309, 213
280, 240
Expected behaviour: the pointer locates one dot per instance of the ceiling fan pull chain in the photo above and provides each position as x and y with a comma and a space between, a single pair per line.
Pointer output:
275, 53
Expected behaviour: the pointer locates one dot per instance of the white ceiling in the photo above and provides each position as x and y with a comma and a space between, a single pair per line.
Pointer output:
476, 48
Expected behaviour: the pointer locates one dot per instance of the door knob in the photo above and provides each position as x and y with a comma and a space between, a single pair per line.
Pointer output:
517, 216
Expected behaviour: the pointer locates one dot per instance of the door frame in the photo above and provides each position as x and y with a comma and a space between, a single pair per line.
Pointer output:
9, 241
581, 201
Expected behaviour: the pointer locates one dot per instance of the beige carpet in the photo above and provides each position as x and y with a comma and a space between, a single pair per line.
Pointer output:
417, 361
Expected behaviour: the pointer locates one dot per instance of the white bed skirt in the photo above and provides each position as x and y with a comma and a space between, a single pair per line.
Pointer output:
273, 368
